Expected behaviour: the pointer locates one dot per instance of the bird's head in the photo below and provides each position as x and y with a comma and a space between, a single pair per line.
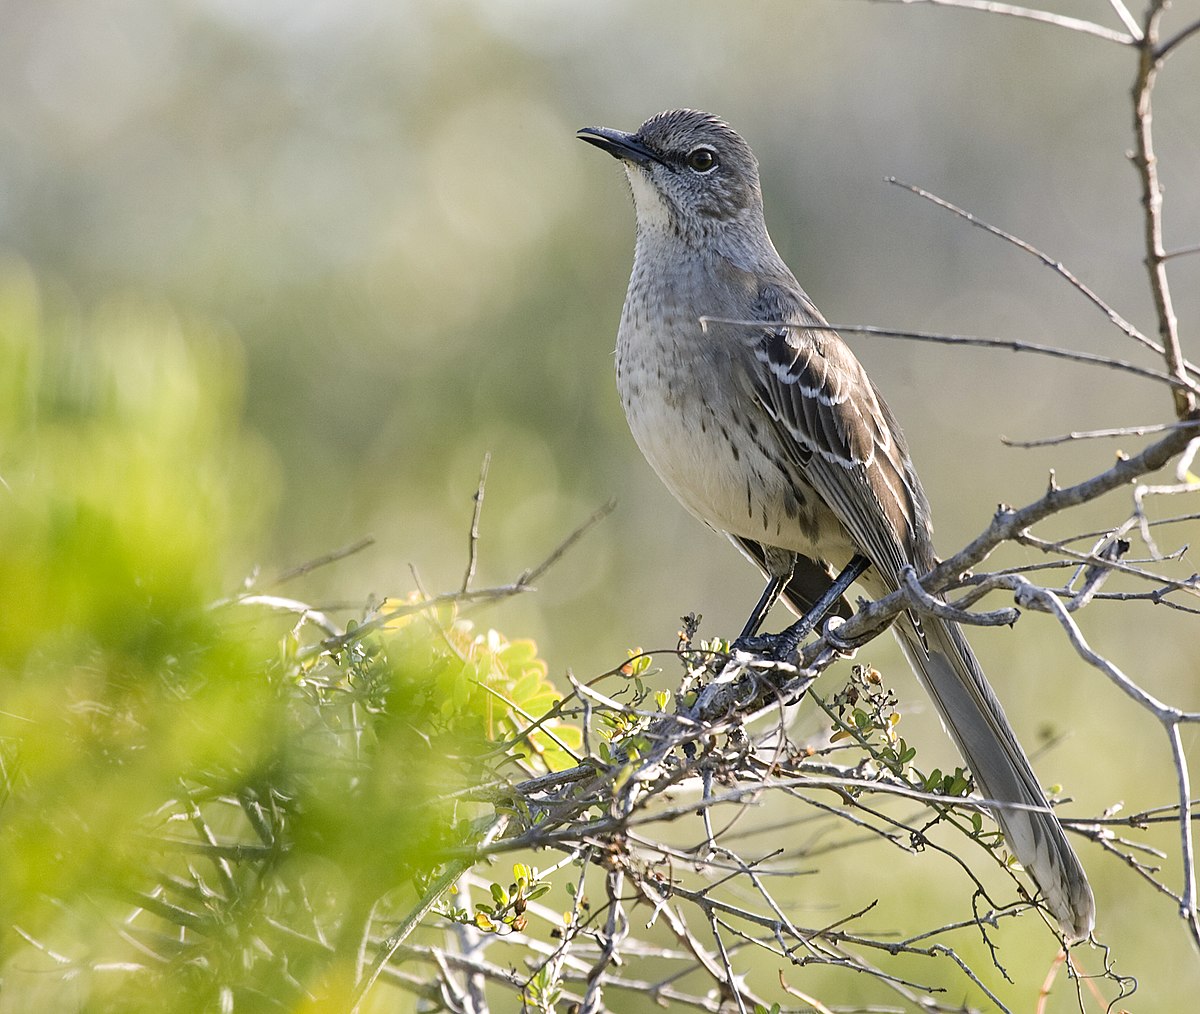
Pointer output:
691, 174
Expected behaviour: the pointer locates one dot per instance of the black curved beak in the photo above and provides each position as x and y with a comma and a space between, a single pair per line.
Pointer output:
619, 144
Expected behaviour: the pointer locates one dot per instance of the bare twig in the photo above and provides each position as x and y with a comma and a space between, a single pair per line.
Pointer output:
1146, 162
473, 535
432, 896
527, 578
324, 560
1116, 431
523, 583
1169, 717
306, 612
1028, 14
1183, 251
941, 338
1057, 266
614, 932
1127, 19
1165, 49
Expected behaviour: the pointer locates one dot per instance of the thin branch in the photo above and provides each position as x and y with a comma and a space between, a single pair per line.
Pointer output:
730, 980
454, 870
940, 338
1127, 19
323, 561
1007, 524
1170, 717
614, 932
679, 928
1187, 904
523, 583
473, 535
1146, 162
306, 612
1028, 14
1182, 251
1057, 266
1089, 559
1118, 431
595, 518
1164, 50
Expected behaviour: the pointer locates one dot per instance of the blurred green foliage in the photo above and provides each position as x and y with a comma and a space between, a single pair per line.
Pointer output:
201, 807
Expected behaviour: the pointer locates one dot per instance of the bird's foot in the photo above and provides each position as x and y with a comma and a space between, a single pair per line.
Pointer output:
779, 647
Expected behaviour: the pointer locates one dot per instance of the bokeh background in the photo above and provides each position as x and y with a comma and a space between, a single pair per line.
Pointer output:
381, 207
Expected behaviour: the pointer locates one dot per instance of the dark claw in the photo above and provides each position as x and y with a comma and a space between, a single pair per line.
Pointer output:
774, 647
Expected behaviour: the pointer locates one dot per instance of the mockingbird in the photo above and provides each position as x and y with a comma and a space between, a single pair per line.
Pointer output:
768, 429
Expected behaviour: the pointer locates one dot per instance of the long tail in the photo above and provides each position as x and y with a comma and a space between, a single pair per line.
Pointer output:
946, 666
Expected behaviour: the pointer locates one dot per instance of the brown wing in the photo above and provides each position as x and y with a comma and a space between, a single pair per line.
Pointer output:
839, 432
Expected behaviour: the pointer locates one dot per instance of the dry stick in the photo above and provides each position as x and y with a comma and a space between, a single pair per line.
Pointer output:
1183, 251
799, 994
462, 962
941, 338
454, 870
1127, 19
679, 928
557, 957
1118, 431
1028, 14
1170, 717
596, 516
1155, 523
1146, 163
473, 535
708, 902
323, 560
1186, 483
471, 943
1148, 873
1031, 596
523, 583
1162, 52
614, 932
730, 979
1007, 524
574, 835
549, 733
1088, 559
303, 610
1057, 266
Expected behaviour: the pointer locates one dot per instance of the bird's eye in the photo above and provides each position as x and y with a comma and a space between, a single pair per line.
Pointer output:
703, 160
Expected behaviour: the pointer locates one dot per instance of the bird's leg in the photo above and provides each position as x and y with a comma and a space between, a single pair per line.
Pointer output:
783, 645
768, 598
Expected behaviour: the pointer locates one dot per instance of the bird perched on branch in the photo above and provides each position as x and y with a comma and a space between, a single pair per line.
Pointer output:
764, 425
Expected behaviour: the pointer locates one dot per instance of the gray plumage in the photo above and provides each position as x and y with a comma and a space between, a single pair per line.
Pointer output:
775, 436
